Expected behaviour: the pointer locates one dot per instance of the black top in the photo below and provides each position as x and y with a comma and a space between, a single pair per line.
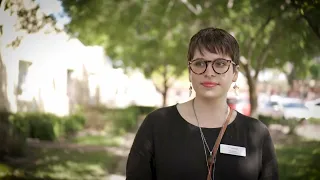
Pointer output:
167, 147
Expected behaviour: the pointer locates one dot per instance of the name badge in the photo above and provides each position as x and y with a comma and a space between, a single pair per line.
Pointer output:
233, 150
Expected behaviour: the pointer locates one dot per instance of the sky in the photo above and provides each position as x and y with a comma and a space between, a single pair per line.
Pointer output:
54, 7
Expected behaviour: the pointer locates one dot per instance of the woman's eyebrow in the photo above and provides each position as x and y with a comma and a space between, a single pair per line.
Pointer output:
210, 59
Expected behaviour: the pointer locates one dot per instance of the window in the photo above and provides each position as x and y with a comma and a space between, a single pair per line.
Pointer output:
23, 72
69, 81
294, 105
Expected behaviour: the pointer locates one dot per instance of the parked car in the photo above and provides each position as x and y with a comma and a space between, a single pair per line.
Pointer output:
270, 109
314, 107
286, 108
240, 103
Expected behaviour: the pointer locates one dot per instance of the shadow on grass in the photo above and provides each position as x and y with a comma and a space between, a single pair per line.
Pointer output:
66, 164
299, 160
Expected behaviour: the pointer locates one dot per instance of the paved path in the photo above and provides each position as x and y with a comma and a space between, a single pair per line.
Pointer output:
309, 131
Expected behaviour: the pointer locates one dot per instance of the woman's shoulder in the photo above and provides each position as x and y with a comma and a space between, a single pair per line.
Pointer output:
163, 111
161, 115
252, 123
257, 131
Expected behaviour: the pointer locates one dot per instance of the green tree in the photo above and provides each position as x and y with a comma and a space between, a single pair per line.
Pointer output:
309, 10
315, 71
153, 35
270, 33
142, 34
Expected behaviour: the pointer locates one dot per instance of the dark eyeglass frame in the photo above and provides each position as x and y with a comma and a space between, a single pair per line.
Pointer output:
212, 62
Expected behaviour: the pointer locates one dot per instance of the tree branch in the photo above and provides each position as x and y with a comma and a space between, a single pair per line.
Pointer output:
2, 5
315, 29
165, 76
251, 39
246, 69
313, 26
263, 59
195, 10
157, 88
264, 54
258, 33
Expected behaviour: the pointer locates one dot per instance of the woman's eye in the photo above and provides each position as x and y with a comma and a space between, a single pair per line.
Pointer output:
220, 63
200, 63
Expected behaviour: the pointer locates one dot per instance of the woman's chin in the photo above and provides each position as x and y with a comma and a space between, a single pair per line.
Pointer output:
210, 95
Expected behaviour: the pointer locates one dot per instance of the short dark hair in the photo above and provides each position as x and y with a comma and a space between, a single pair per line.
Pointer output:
214, 40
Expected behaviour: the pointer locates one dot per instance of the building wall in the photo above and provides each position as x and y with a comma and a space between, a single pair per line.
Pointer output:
57, 74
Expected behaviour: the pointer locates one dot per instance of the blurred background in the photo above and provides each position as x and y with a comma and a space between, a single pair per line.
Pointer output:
78, 77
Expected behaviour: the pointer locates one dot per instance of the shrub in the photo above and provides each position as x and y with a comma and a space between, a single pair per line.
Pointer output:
36, 125
46, 126
291, 123
268, 120
126, 120
73, 123
13, 143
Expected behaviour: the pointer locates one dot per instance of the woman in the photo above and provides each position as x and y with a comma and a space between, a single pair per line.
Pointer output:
203, 138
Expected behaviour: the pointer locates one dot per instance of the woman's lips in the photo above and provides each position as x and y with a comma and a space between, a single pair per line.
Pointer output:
209, 84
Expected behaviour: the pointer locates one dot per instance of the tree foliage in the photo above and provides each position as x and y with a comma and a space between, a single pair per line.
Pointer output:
30, 19
153, 35
310, 11
149, 35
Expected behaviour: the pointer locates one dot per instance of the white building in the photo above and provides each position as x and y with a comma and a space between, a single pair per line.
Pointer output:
49, 72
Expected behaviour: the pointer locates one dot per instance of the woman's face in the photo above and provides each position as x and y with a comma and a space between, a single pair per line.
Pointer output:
210, 84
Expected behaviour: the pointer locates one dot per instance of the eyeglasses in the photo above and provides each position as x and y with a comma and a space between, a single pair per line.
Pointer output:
219, 66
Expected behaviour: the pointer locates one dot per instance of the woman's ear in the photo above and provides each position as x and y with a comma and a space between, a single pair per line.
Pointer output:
236, 72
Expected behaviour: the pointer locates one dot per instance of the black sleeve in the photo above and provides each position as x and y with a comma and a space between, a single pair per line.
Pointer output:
140, 159
269, 170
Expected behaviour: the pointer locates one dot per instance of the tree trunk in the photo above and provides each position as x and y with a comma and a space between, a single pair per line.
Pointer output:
164, 86
291, 76
164, 97
164, 93
253, 96
4, 103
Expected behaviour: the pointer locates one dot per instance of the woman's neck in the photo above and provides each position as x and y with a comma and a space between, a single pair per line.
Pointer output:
211, 112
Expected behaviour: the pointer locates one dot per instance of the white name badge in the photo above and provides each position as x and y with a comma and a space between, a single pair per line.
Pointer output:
233, 150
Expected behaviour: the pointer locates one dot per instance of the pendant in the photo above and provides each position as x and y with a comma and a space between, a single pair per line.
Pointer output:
210, 159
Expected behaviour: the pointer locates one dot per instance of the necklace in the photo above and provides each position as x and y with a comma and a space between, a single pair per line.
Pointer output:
210, 159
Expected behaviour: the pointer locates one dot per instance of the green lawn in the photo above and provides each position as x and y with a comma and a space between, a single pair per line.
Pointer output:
299, 161
98, 140
63, 164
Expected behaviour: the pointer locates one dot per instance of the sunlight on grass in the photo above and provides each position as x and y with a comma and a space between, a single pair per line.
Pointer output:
75, 164
74, 170
98, 140
4, 170
69, 164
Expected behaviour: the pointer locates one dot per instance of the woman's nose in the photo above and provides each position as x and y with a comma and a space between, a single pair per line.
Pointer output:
209, 71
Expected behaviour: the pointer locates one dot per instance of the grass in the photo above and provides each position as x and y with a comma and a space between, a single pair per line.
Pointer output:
109, 141
66, 164
299, 160
314, 121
